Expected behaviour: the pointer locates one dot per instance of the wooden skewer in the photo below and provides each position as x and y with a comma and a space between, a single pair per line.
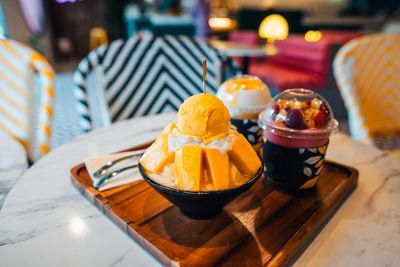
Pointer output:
204, 75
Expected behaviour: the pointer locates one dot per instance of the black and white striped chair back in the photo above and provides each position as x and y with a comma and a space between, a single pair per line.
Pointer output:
147, 75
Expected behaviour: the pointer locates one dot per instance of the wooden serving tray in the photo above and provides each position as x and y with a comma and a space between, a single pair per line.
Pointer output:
263, 226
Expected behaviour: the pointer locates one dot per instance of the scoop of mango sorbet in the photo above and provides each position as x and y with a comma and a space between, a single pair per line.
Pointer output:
203, 116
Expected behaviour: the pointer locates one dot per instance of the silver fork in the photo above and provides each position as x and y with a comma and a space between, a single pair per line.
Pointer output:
109, 164
99, 182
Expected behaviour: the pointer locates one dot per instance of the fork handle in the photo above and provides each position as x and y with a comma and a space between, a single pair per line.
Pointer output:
99, 182
100, 171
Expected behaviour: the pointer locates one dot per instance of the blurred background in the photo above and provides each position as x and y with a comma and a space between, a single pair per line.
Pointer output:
304, 38
60, 29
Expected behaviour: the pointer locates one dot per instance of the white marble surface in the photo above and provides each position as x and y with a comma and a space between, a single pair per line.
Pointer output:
46, 222
13, 163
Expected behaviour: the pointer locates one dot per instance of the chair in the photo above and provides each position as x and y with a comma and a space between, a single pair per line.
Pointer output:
298, 64
18, 64
147, 75
367, 73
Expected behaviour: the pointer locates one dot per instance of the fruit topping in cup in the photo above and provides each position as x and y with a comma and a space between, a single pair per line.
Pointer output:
294, 119
326, 110
275, 111
300, 115
321, 120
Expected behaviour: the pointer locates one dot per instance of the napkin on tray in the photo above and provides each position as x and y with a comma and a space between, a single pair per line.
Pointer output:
126, 177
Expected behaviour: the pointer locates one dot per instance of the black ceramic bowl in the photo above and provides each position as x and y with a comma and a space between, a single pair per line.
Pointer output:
200, 204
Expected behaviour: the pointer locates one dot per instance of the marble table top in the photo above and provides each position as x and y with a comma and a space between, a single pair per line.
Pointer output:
13, 163
46, 222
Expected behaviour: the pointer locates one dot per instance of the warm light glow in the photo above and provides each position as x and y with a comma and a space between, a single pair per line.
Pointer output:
221, 23
313, 36
274, 27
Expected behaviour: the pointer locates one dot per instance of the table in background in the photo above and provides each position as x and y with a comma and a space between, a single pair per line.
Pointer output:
13, 163
45, 221
234, 49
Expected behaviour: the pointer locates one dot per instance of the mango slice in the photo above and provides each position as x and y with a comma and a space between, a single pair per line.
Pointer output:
189, 167
157, 155
236, 178
217, 165
244, 156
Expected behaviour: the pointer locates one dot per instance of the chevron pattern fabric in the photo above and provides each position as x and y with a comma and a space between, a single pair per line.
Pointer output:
18, 64
147, 75
367, 73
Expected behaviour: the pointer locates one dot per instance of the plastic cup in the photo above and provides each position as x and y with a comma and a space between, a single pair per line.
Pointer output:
245, 96
296, 129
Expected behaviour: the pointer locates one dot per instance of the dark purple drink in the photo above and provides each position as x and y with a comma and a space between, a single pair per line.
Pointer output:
296, 125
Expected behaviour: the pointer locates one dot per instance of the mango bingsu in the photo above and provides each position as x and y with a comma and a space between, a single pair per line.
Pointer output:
201, 153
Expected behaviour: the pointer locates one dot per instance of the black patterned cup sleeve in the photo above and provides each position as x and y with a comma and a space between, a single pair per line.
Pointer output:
248, 128
292, 168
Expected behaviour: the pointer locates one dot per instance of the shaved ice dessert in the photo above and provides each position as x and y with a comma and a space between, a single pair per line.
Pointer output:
201, 153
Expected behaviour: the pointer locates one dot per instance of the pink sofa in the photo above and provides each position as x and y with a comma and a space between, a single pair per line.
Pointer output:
298, 63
